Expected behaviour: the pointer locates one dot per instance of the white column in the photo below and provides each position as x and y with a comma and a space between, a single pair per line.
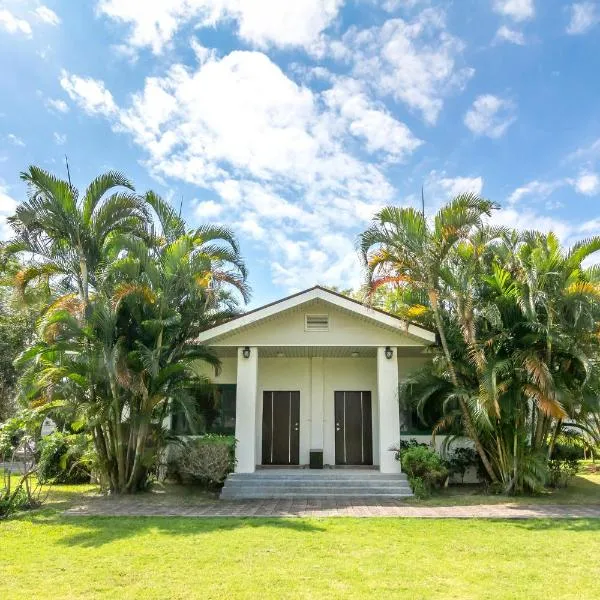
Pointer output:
245, 411
389, 410
316, 403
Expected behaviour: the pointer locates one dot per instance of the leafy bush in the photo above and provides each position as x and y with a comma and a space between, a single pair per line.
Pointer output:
564, 464
420, 489
407, 444
460, 460
12, 497
561, 471
21, 491
11, 434
63, 458
425, 469
208, 459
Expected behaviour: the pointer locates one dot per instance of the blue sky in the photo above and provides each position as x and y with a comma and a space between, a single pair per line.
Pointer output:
293, 122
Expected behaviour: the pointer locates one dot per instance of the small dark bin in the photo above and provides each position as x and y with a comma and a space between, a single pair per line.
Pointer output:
316, 459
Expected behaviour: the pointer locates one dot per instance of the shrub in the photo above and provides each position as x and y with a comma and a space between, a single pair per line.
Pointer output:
459, 461
562, 471
21, 491
11, 434
208, 459
420, 489
564, 464
407, 444
63, 458
425, 469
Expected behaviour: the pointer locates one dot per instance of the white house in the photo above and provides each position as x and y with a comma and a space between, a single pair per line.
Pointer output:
316, 380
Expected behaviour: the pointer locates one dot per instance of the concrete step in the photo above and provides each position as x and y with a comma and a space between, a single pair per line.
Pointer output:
320, 489
326, 483
319, 476
333, 483
265, 494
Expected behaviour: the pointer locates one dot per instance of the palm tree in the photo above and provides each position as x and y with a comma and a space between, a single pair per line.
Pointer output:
402, 248
135, 355
65, 234
527, 313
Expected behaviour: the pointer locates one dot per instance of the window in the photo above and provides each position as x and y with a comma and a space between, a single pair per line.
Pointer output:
411, 423
316, 322
212, 412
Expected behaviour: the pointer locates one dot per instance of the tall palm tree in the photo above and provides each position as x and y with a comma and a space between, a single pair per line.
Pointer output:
65, 234
528, 313
136, 354
401, 247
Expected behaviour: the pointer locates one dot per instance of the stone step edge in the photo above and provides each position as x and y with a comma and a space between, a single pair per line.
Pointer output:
300, 496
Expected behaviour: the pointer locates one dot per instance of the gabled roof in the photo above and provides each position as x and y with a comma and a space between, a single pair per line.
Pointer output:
319, 293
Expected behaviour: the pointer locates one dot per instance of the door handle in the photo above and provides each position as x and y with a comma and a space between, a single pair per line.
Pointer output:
338, 427
296, 426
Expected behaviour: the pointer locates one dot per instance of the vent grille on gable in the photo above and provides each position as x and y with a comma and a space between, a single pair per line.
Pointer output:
317, 322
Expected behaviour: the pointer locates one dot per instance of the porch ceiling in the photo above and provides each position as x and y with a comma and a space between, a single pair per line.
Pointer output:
314, 351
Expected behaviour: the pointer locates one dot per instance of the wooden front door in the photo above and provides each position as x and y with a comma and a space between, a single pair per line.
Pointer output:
353, 428
281, 428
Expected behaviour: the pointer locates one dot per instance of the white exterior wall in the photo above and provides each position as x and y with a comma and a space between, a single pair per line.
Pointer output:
347, 374
471, 474
345, 329
317, 379
389, 416
286, 375
246, 410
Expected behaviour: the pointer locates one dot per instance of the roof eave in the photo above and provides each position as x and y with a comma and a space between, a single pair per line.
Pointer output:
318, 293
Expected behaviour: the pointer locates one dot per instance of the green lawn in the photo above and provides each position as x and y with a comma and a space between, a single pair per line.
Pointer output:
583, 489
48, 556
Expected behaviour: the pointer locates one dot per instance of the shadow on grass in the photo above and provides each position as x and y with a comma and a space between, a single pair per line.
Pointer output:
575, 525
97, 531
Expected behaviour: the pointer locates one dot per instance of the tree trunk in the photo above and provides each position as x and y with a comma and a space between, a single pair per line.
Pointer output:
133, 481
469, 425
557, 428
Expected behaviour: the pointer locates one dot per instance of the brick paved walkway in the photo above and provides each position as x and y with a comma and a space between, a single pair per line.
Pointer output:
155, 507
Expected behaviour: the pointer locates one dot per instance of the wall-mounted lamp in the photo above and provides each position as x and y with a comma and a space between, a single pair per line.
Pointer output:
389, 353
246, 352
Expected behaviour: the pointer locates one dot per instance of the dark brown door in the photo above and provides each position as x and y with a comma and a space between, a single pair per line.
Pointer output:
353, 428
281, 428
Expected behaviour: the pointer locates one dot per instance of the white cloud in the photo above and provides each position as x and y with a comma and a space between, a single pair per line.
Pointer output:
525, 219
490, 116
518, 10
588, 184
506, 34
60, 138
250, 226
416, 62
202, 52
367, 120
334, 263
262, 23
207, 210
590, 153
47, 15
7, 208
291, 160
540, 190
57, 105
454, 186
13, 24
16, 140
439, 188
90, 94
584, 16
394, 5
